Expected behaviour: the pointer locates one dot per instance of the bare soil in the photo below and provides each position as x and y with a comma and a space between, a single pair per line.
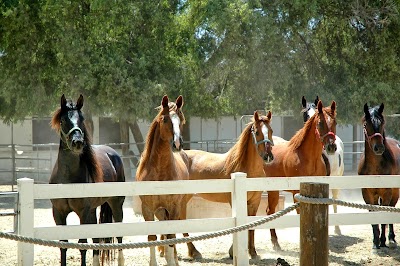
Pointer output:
353, 247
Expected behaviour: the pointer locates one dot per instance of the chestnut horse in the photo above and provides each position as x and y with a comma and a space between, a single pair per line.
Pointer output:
81, 162
335, 159
302, 154
381, 156
164, 160
248, 155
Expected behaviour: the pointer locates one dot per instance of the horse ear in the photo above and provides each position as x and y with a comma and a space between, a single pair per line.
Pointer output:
79, 103
333, 106
269, 115
303, 102
366, 110
319, 105
256, 116
316, 100
380, 110
164, 101
63, 101
179, 101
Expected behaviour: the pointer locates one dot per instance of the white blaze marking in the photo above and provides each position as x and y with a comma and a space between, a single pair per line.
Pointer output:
177, 132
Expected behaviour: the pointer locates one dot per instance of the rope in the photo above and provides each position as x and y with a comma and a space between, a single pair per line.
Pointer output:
330, 201
173, 241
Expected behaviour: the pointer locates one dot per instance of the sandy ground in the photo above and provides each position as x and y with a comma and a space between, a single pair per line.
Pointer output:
353, 247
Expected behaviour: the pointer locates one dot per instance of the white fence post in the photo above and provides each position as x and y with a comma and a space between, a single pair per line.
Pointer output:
25, 220
239, 211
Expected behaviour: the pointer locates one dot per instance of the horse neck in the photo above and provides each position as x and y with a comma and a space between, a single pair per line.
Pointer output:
161, 154
70, 165
311, 143
246, 158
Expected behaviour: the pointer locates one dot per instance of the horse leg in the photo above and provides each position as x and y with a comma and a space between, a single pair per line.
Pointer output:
393, 202
61, 219
252, 207
148, 215
335, 194
375, 231
170, 252
382, 238
392, 241
273, 200
88, 216
117, 213
192, 251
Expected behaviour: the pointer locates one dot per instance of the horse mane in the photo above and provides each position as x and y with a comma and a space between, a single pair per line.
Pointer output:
237, 154
152, 131
88, 155
298, 138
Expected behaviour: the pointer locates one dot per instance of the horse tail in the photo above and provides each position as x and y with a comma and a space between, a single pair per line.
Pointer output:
106, 217
118, 166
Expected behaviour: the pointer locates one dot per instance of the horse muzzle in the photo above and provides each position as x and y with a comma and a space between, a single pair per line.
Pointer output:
378, 149
331, 148
268, 156
177, 145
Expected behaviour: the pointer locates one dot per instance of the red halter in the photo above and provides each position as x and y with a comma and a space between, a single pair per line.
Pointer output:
369, 137
330, 133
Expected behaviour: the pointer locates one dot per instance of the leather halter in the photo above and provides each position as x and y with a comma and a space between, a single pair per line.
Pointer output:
261, 141
369, 137
330, 133
66, 135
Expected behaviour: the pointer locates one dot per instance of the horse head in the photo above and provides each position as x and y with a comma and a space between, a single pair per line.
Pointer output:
171, 121
374, 131
308, 108
262, 135
326, 126
68, 120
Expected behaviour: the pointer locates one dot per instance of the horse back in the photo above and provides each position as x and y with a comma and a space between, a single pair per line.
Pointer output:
110, 162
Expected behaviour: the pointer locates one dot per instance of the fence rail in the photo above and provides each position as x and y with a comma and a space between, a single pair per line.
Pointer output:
37, 160
238, 186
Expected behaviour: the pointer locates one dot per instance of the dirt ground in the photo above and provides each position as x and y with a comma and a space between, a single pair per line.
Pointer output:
353, 247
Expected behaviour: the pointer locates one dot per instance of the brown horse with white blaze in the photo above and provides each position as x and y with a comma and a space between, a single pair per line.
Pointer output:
302, 154
253, 148
164, 160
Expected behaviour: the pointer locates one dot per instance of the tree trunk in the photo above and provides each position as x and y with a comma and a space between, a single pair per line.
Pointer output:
138, 137
124, 132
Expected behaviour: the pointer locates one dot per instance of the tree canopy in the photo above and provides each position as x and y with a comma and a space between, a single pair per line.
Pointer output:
225, 57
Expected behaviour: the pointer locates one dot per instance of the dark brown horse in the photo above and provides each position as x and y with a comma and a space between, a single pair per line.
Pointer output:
302, 154
381, 156
81, 162
164, 160
248, 155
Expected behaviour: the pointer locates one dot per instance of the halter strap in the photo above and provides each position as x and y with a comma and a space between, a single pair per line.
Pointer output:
369, 137
330, 133
66, 135
261, 141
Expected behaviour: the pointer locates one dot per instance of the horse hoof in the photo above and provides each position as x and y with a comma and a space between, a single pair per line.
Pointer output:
196, 256
255, 257
337, 231
277, 247
231, 252
392, 244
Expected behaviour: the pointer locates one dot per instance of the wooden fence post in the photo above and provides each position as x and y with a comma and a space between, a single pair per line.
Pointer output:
314, 226
239, 211
25, 220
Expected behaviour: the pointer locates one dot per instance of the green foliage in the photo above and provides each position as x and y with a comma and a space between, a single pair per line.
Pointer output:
225, 57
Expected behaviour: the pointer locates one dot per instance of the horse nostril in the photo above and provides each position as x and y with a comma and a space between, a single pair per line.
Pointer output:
77, 144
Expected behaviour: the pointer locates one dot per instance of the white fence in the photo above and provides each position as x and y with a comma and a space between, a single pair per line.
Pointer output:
238, 186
